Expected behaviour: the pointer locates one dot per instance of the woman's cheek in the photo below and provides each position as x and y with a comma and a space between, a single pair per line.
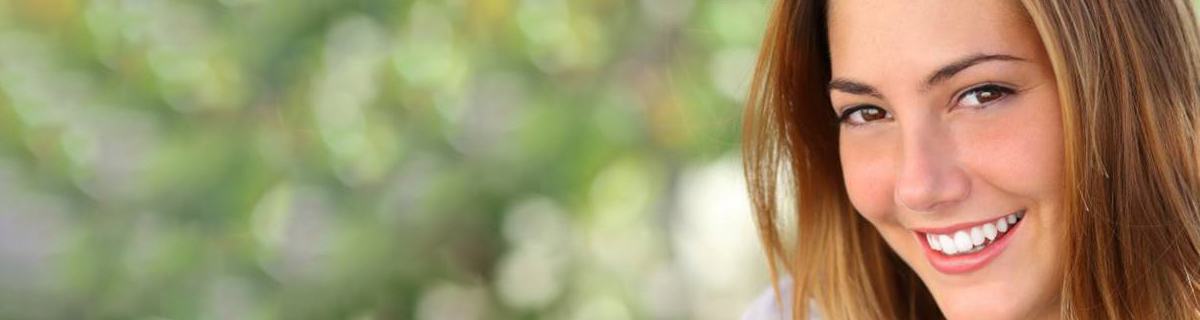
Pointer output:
1022, 152
869, 182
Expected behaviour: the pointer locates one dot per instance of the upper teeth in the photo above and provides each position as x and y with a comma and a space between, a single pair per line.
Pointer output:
972, 239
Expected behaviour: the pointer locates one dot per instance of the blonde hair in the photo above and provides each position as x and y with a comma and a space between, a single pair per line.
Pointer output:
1128, 75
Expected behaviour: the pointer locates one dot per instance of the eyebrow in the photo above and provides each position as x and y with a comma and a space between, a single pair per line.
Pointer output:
941, 75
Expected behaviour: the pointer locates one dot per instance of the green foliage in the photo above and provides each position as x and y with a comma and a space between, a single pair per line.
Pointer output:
322, 159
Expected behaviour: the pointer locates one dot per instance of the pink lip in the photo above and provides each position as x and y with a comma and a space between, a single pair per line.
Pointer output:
968, 262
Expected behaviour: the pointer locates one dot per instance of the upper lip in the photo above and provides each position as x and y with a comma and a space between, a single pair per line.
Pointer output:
961, 226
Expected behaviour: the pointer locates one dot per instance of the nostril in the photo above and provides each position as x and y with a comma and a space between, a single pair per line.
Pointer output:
916, 195
927, 192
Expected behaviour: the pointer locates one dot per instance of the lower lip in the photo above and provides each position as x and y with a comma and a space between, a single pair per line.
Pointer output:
968, 262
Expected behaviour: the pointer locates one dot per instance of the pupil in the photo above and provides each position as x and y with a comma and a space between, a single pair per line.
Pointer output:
987, 95
872, 114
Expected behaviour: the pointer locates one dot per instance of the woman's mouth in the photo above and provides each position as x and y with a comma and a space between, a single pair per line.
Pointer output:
967, 248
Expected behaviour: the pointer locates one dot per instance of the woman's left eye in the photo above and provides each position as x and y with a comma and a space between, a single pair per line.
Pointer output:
983, 95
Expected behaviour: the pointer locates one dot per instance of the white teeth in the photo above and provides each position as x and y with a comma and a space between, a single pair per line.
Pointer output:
989, 231
948, 245
973, 239
976, 236
962, 241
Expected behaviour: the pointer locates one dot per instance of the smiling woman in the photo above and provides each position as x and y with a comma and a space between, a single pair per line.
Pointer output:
979, 159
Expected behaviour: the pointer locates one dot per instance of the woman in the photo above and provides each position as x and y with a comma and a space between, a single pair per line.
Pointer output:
979, 159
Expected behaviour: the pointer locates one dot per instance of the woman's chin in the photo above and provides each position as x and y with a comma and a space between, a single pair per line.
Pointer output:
998, 302
991, 307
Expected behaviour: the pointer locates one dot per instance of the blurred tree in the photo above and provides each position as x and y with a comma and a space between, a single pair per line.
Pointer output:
370, 159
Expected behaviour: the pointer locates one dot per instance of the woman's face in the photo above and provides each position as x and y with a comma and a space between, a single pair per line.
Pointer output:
951, 145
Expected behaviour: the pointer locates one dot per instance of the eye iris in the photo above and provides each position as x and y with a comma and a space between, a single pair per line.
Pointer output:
872, 114
987, 94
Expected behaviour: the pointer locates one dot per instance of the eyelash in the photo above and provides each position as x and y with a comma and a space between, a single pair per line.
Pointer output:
1004, 92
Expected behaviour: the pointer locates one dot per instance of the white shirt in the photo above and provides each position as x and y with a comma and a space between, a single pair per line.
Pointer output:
765, 307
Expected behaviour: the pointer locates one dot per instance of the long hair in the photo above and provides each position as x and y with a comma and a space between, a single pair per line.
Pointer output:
1128, 77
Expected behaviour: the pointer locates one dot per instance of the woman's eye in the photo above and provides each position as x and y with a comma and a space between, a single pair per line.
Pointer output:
863, 114
983, 95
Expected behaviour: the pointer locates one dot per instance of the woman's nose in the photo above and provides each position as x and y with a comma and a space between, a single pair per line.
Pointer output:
930, 173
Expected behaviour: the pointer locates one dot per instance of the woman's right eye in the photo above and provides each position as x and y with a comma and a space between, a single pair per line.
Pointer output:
864, 114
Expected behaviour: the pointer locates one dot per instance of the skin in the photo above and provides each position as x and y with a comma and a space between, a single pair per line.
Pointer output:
937, 155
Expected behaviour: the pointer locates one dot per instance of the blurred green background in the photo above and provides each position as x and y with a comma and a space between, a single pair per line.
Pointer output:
363, 159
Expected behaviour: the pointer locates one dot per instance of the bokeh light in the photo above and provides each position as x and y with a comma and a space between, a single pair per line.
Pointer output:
375, 159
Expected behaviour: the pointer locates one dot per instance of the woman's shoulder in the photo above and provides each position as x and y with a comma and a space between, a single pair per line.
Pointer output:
767, 306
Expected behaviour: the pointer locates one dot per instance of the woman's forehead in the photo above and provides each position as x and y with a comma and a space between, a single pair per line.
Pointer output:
912, 37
